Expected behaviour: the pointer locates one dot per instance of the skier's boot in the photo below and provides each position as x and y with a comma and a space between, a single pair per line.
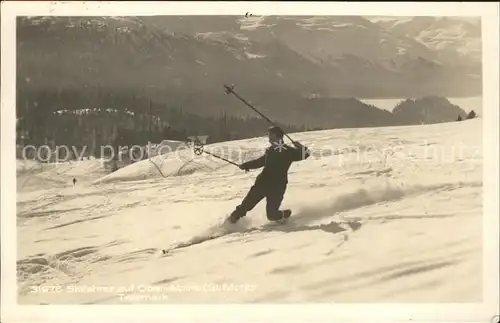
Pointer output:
235, 216
281, 216
286, 215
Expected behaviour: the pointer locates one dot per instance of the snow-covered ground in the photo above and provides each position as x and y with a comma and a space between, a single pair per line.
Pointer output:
35, 176
380, 215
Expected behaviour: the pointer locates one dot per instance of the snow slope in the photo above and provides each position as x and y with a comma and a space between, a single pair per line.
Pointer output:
380, 215
33, 175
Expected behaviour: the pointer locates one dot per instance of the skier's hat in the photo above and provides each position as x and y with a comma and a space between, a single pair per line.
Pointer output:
276, 130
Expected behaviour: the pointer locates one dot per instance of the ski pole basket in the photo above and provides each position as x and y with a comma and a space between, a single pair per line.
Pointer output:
198, 143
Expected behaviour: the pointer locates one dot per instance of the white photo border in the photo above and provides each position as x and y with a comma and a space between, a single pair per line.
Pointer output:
480, 312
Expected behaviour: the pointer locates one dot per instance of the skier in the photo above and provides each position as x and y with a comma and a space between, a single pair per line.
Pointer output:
74, 181
271, 183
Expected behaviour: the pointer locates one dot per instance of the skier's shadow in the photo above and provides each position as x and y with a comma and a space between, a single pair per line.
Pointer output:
332, 227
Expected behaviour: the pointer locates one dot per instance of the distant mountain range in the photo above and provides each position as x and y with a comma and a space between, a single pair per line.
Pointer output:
286, 65
456, 42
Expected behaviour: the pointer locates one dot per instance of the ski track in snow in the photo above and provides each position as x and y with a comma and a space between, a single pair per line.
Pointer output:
404, 225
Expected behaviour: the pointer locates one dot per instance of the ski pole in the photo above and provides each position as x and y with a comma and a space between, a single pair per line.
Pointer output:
230, 89
198, 150
224, 159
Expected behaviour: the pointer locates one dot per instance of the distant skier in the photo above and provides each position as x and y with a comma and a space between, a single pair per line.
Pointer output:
74, 181
271, 183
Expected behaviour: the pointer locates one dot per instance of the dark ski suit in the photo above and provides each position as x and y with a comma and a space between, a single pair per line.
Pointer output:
271, 183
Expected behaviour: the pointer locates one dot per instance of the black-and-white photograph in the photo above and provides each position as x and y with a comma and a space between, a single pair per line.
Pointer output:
249, 158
